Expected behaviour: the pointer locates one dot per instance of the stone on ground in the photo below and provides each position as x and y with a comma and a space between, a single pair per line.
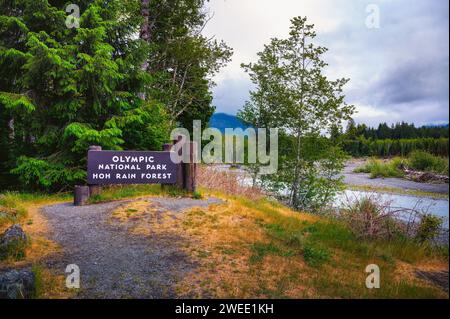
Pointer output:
17, 284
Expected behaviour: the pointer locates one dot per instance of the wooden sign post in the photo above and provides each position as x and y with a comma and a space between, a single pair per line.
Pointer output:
135, 167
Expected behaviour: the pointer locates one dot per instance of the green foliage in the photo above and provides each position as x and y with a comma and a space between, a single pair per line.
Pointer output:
36, 174
11, 212
417, 160
429, 228
197, 195
293, 95
360, 146
143, 128
14, 250
67, 84
183, 61
315, 256
399, 140
427, 162
318, 179
378, 168
82, 135
62, 90
16, 103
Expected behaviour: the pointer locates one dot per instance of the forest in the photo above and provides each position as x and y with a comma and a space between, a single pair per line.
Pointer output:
123, 79
396, 140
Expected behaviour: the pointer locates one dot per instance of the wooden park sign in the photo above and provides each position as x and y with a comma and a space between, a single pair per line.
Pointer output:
111, 167
134, 167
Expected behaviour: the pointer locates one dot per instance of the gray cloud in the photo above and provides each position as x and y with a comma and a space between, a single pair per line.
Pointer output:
412, 81
231, 94
398, 72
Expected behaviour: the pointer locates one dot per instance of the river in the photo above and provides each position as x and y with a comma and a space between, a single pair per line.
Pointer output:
438, 207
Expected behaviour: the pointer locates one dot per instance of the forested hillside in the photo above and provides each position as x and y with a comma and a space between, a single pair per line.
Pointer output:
221, 121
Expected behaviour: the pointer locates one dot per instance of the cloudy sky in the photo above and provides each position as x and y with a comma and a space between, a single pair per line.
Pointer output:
398, 72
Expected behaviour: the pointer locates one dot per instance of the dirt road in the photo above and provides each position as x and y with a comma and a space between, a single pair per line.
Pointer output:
113, 262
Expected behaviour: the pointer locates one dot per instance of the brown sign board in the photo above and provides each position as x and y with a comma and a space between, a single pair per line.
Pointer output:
130, 167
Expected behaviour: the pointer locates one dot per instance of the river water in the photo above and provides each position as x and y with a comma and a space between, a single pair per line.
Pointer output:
438, 207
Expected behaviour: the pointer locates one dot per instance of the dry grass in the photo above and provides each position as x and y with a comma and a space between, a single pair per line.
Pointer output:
36, 228
48, 284
227, 182
247, 249
255, 248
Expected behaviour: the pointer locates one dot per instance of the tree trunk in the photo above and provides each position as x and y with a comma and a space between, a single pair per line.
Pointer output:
295, 184
145, 33
11, 129
145, 28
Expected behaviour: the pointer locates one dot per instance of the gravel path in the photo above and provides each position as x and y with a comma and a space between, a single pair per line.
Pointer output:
114, 263
360, 179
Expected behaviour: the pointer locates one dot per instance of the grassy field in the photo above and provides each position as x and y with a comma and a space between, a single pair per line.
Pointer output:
248, 248
262, 249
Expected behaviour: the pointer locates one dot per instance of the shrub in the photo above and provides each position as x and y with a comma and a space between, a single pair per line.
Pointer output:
369, 217
377, 168
424, 161
37, 174
429, 228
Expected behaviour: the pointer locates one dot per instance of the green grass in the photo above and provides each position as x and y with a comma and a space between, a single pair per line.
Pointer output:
377, 168
418, 160
34, 197
423, 161
113, 193
15, 250
315, 256
329, 249
11, 210
337, 257
197, 195
260, 250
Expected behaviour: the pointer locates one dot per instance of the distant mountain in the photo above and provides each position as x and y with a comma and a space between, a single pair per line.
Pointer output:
221, 121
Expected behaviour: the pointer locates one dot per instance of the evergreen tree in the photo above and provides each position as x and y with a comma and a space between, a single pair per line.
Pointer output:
182, 60
64, 89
